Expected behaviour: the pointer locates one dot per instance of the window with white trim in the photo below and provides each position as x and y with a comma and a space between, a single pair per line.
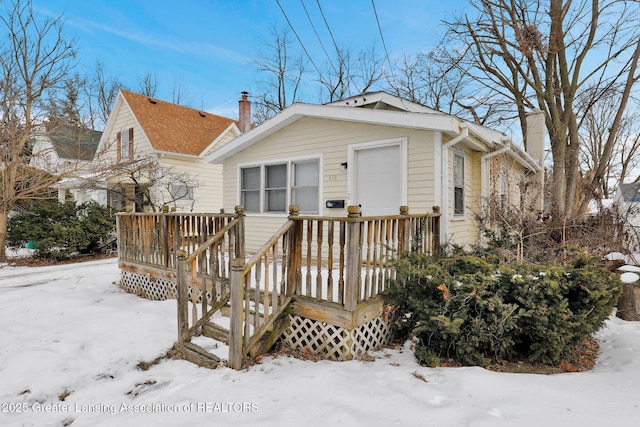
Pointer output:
272, 187
458, 182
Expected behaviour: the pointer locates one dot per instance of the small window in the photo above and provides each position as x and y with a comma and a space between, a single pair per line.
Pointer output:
125, 144
116, 198
182, 192
458, 183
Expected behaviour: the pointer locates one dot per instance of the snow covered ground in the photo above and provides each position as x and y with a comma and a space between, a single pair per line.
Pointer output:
67, 332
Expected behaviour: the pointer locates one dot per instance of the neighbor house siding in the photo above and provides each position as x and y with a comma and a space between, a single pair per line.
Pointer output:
123, 121
207, 180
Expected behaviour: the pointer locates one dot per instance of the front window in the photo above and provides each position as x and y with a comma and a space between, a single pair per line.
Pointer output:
304, 191
250, 189
272, 188
275, 188
458, 183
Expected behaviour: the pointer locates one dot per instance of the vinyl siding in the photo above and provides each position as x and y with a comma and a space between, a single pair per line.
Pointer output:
207, 179
310, 137
462, 228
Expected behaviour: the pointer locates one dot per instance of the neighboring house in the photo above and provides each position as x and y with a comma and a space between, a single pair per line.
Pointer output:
68, 151
156, 152
377, 151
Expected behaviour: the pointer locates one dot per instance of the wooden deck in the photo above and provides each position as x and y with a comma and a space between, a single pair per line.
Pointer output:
330, 270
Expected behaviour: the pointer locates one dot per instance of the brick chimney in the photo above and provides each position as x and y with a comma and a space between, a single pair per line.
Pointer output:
244, 113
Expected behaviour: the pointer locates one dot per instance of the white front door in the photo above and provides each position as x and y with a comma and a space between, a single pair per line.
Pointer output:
378, 180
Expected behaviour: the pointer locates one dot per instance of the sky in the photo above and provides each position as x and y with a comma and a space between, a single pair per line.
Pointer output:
208, 47
72, 340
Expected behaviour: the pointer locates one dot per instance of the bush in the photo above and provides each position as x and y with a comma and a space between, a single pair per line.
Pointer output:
59, 230
464, 308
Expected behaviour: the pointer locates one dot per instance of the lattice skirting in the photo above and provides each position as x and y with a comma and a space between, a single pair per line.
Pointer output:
153, 288
335, 342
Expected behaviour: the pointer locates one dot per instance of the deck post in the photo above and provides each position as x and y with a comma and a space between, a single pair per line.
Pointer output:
436, 230
404, 231
236, 302
294, 272
354, 259
239, 249
182, 297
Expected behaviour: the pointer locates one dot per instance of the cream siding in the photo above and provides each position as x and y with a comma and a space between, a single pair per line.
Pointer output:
330, 140
207, 181
123, 121
461, 228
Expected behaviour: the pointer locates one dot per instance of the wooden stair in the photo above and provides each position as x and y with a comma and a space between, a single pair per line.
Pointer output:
216, 332
201, 357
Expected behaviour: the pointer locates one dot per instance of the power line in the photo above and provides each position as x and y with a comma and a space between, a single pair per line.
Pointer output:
335, 45
384, 45
299, 40
317, 35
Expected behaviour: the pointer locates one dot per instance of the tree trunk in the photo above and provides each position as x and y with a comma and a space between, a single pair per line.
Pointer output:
627, 304
4, 217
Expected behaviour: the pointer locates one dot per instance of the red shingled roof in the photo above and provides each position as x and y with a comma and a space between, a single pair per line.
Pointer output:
174, 128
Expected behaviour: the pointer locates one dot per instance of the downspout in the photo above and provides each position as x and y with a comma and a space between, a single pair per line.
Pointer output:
444, 205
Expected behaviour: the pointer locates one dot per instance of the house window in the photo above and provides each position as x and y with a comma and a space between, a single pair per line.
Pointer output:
125, 144
272, 188
458, 183
275, 188
250, 189
116, 198
304, 190
182, 192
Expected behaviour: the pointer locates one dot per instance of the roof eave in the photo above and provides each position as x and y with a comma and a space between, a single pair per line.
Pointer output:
435, 122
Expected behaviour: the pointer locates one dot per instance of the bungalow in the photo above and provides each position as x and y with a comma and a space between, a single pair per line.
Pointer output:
379, 152
156, 154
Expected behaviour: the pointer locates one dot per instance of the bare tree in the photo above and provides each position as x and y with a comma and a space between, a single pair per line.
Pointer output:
595, 129
148, 83
346, 75
35, 58
102, 94
282, 74
544, 55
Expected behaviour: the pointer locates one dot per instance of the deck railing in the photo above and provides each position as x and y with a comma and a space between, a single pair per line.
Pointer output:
342, 261
154, 239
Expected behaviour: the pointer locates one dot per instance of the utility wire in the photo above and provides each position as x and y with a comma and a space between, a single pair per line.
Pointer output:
335, 45
317, 35
299, 40
384, 45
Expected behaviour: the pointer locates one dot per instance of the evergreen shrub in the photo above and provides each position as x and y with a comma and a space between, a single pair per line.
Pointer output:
60, 230
464, 308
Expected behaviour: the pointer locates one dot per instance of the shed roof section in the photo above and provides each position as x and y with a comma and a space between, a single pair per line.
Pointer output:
174, 128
